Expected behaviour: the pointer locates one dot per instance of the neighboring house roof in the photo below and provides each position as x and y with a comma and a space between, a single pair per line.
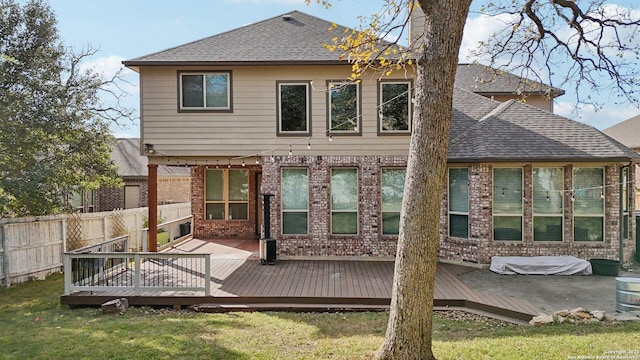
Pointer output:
626, 132
485, 80
126, 155
293, 37
514, 131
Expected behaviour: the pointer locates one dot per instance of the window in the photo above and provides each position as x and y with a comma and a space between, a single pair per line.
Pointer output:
507, 204
547, 204
625, 193
395, 107
205, 91
588, 204
295, 201
227, 195
344, 201
343, 103
459, 202
392, 188
293, 108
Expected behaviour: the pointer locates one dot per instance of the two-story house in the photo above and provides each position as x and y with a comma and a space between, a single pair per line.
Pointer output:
266, 108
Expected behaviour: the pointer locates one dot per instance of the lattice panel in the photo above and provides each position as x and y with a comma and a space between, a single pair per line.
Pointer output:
117, 224
74, 232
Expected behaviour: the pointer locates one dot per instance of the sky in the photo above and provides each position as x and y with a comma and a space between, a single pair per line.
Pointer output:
125, 29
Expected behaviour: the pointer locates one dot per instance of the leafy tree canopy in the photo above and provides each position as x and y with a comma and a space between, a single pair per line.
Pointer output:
55, 137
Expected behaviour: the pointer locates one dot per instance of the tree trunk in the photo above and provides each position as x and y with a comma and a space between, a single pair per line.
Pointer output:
410, 320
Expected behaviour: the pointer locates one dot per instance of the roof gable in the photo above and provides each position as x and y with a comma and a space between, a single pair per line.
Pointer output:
626, 132
482, 79
131, 164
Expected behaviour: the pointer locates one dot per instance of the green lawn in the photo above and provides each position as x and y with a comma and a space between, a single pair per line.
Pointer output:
33, 325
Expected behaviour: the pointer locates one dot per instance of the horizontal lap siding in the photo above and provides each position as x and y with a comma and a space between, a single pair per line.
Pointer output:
251, 127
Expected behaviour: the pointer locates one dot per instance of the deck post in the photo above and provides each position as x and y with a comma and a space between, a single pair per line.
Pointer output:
136, 274
152, 235
207, 275
66, 263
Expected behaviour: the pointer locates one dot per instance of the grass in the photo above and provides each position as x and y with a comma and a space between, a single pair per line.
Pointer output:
33, 325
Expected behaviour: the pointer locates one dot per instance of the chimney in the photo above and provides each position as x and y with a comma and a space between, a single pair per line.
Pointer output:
416, 24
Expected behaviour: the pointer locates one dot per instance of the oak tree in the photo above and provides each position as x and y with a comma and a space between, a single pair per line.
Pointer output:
590, 37
54, 134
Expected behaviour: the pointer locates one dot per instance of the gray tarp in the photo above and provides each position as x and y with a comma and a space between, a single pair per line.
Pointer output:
540, 265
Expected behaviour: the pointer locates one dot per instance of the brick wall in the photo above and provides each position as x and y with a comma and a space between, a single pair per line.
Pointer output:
480, 246
222, 229
174, 190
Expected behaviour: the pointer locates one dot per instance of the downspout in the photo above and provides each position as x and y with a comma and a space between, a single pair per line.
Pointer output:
621, 222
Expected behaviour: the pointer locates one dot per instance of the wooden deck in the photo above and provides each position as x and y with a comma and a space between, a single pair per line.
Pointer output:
240, 282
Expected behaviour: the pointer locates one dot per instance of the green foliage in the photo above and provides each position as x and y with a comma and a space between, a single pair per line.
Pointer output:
55, 137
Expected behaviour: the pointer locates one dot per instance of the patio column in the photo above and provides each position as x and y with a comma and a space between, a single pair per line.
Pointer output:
152, 238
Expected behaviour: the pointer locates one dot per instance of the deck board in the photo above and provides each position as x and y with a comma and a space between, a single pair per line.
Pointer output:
243, 281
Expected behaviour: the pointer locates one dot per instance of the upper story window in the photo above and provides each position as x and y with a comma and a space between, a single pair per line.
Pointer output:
507, 204
548, 208
588, 204
205, 91
394, 101
343, 99
459, 202
294, 111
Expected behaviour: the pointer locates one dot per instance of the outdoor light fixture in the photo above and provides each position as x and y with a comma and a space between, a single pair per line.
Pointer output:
148, 148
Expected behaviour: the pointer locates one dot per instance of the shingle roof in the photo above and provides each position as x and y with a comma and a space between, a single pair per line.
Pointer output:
468, 108
485, 80
514, 131
126, 154
275, 40
626, 132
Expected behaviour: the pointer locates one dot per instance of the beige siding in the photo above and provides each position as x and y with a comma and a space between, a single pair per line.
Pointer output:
251, 127
539, 101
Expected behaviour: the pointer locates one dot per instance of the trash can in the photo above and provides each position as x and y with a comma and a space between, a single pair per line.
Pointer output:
185, 228
627, 294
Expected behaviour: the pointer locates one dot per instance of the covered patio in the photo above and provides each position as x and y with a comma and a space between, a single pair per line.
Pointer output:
238, 282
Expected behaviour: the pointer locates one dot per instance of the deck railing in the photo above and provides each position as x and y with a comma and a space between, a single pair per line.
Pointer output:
136, 273
170, 232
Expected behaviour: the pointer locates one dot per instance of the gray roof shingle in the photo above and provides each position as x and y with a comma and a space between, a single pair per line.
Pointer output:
514, 131
485, 80
126, 155
275, 40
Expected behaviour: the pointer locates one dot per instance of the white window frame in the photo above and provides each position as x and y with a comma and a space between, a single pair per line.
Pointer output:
604, 205
560, 214
459, 213
346, 211
282, 210
497, 192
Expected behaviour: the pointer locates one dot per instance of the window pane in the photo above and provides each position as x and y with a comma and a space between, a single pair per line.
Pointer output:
215, 211
344, 223
215, 184
588, 184
238, 185
547, 190
217, 90
507, 228
507, 191
395, 106
295, 189
344, 189
588, 228
294, 222
459, 190
459, 226
344, 107
192, 91
293, 107
392, 188
390, 223
547, 228
238, 211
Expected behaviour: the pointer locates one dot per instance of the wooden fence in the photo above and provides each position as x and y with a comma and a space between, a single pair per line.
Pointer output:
33, 247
